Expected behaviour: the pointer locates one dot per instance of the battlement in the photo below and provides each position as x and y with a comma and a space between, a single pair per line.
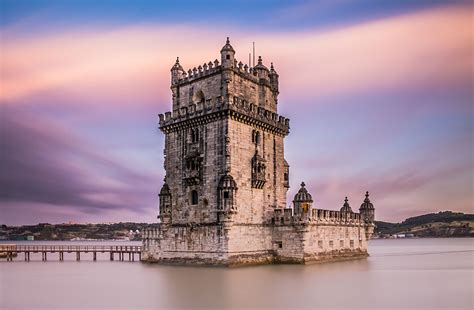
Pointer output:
317, 216
201, 71
213, 67
237, 108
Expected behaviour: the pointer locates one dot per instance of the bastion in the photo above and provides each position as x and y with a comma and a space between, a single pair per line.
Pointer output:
223, 200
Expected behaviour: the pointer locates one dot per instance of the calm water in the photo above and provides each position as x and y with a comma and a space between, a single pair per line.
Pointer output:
411, 273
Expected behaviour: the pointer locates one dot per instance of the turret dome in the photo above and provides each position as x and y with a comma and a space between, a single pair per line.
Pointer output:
272, 70
367, 205
227, 182
165, 190
302, 195
227, 47
177, 65
260, 64
346, 207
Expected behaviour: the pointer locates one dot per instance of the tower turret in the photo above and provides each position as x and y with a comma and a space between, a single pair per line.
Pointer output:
177, 72
165, 203
260, 69
302, 201
346, 208
226, 190
367, 210
273, 79
227, 55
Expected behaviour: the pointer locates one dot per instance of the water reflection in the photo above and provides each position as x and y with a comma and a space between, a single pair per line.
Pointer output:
416, 274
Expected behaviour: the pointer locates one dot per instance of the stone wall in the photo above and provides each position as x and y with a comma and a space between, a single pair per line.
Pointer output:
256, 205
210, 86
211, 152
186, 245
239, 244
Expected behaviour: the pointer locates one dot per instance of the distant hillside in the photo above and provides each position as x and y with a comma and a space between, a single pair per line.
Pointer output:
442, 224
45, 231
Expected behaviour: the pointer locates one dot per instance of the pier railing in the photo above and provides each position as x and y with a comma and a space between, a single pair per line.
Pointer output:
12, 250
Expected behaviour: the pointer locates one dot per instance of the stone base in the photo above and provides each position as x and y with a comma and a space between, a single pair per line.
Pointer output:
250, 244
232, 261
259, 259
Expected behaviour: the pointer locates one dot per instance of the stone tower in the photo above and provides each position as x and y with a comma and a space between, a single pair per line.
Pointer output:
224, 156
223, 201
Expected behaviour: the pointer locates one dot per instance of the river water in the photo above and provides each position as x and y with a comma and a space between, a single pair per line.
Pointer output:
402, 273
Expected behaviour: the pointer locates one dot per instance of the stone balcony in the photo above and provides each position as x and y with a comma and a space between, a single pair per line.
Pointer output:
235, 107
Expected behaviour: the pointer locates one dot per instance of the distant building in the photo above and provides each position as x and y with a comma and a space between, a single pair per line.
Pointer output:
30, 238
223, 200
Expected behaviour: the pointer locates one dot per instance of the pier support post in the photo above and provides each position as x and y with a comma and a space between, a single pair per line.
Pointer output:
26, 256
94, 255
112, 256
78, 256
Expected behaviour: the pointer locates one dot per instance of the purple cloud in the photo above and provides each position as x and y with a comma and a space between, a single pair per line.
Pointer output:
44, 164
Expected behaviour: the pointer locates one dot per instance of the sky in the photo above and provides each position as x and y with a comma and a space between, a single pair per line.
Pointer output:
379, 93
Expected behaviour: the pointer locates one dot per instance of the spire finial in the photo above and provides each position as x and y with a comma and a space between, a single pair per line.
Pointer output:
177, 60
302, 184
346, 200
259, 60
367, 194
227, 41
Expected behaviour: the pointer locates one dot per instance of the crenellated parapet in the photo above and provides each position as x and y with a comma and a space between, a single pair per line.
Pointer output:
317, 217
202, 71
303, 213
214, 80
214, 67
236, 108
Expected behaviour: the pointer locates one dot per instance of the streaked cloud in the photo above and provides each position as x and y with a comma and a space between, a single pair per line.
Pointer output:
383, 105
43, 163
388, 53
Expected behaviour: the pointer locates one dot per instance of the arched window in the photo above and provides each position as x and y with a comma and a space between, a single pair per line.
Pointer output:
199, 98
194, 197
255, 136
194, 135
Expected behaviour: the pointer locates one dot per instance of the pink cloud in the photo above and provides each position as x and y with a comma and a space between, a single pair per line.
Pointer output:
429, 48
426, 183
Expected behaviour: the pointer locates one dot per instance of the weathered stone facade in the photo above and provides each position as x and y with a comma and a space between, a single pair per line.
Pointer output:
223, 201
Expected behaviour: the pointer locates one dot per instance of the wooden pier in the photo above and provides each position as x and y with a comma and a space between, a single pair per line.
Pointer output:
121, 251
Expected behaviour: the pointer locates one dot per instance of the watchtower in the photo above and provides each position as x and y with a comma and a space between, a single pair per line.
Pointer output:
223, 201
224, 148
